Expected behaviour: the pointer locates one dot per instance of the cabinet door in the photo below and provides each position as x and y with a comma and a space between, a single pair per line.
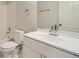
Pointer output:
29, 53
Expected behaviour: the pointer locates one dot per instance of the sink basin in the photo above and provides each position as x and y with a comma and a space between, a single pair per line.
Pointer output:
45, 36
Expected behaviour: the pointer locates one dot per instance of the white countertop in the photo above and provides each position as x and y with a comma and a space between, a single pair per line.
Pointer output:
66, 43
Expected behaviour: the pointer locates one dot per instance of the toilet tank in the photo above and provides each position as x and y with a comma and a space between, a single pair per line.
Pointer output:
19, 36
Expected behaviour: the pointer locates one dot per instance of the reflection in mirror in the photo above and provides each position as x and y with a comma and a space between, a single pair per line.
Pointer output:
62, 12
47, 13
69, 15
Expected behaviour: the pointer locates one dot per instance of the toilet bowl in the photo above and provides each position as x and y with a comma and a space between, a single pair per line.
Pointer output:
7, 48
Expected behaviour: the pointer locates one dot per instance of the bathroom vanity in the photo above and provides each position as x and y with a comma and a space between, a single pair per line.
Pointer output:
40, 44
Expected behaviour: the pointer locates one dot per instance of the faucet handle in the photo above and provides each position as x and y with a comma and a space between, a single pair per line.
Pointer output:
60, 24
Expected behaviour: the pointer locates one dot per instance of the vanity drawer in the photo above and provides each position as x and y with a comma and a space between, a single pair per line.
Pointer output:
47, 51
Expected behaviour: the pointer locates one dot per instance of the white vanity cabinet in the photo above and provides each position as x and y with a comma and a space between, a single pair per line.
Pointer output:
29, 53
46, 50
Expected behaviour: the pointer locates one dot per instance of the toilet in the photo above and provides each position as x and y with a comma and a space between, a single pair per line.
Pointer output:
7, 48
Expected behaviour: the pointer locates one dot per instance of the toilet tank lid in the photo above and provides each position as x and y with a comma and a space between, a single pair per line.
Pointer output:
8, 44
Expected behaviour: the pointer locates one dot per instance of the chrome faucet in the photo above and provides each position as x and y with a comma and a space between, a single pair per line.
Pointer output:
54, 29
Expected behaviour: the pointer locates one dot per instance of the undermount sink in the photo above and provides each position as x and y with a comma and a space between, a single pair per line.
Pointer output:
61, 38
46, 36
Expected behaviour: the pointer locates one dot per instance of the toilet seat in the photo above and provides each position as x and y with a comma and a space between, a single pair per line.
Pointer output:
8, 45
7, 48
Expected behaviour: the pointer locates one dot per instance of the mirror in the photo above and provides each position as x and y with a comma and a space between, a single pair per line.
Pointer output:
69, 15
59, 12
47, 13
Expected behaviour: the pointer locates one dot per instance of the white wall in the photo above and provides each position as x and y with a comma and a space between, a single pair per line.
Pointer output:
11, 14
69, 15
3, 20
47, 18
22, 20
